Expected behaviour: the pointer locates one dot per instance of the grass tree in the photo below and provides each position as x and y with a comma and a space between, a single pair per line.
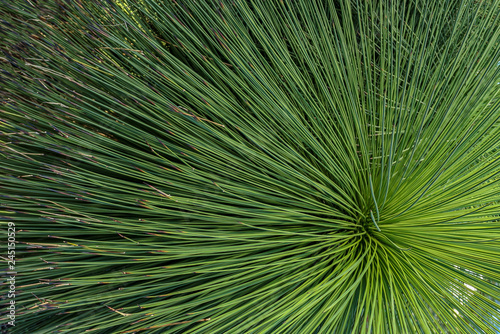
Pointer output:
252, 166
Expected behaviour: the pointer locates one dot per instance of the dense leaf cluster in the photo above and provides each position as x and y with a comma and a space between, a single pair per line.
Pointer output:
252, 166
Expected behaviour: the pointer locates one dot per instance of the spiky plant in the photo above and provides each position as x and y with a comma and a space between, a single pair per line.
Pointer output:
262, 166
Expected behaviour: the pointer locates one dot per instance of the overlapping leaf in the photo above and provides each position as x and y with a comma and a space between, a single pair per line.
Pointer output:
253, 166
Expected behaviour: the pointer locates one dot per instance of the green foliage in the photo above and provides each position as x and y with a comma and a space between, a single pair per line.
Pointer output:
261, 166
